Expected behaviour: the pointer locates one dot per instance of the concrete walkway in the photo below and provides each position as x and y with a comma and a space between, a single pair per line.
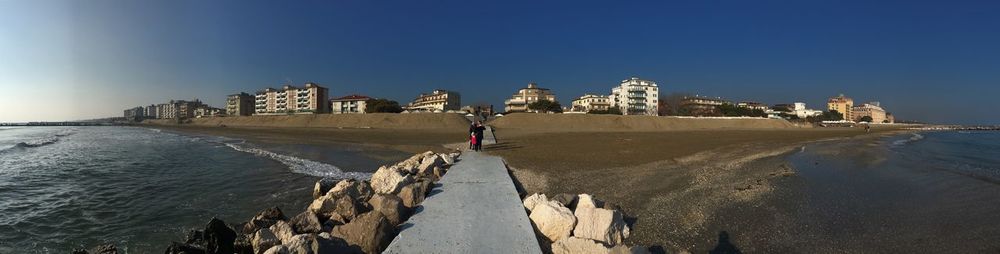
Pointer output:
473, 209
488, 137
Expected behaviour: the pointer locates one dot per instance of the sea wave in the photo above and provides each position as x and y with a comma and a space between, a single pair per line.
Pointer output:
902, 142
300, 165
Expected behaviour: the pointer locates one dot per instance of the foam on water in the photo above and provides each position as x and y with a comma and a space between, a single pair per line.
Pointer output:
902, 142
300, 165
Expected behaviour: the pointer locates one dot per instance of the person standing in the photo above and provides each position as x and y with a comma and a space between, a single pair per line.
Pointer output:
479, 136
472, 133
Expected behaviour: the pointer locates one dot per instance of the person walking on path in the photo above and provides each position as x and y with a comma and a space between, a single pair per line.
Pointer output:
472, 134
478, 132
473, 142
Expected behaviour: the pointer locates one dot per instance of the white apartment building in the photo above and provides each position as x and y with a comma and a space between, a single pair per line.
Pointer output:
800, 110
438, 100
590, 102
636, 96
310, 99
351, 104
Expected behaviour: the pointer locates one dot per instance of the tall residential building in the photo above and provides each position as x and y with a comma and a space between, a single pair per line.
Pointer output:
309, 99
636, 96
871, 109
841, 104
241, 104
185, 109
591, 102
135, 114
520, 100
438, 100
165, 111
351, 104
150, 112
701, 105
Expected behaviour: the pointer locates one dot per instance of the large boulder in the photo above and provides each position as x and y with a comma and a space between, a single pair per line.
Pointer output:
553, 220
358, 190
300, 244
264, 240
575, 245
277, 249
413, 194
446, 159
344, 206
390, 206
568, 200
326, 243
388, 180
323, 186
263, 219
218, 237
600, 224
183, 248
371, 231
531, 201
306, 222
428, 163
283, 231
585, 201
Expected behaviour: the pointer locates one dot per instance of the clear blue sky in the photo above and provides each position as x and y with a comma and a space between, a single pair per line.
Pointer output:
932, 61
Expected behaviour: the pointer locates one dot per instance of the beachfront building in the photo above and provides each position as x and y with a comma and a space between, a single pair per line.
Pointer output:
520, 100
591, 102
752, 105
799, 109
636, 96
185, 109
872, 109
165, 111
206, 111
150, 111
841, 104
309, 99
135, 114
351, 104
241, 104
437, 101
889, 118
701, 105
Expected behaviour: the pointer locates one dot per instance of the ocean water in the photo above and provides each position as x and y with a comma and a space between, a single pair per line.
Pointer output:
928, 192
139, 188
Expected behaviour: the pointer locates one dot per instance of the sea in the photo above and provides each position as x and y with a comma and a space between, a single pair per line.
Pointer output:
63, 188
922, 192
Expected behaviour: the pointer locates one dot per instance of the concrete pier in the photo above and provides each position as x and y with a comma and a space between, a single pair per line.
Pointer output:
473, 209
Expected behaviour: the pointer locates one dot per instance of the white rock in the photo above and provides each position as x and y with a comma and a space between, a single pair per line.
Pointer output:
300, 244
283, 231
585, 201
575, 245
448, 160
277, 249
600, 224
323, 205
388, 180
553, 220
534, 199
429, 162
264, 240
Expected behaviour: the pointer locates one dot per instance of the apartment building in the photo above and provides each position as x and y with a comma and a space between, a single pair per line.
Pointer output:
591, 102
701, 105
841, 104
206, 111
351, 104
309, 99
752, 105
799, 109
872, 109
524, 96
437, 101
135, 114
241, 104
636, 96
150, 112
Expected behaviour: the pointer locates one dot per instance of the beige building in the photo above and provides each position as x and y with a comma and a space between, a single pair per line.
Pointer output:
636, 96
520, 100
206, 111
591, 102
701, 105
240, 104
309, 99
871, 109
351, 104
841, 104
437, 100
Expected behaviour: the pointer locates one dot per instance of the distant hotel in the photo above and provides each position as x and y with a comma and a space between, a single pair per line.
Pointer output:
871, 109
591, 102
240, 104
519, 101
437, 101
310, 99
841, 104
635, 96
351, 104
174, 109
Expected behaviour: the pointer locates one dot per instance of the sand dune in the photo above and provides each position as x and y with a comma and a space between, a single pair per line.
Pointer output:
374, 121
584, 122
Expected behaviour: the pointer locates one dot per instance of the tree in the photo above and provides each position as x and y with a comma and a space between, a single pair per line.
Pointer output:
382, 106
609, 111
866, 119
728, 109
831, 115
545, 106
671, 104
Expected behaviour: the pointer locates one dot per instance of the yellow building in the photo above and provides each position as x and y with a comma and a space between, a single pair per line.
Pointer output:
842, 104
590, 102
871, 109
520, 100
